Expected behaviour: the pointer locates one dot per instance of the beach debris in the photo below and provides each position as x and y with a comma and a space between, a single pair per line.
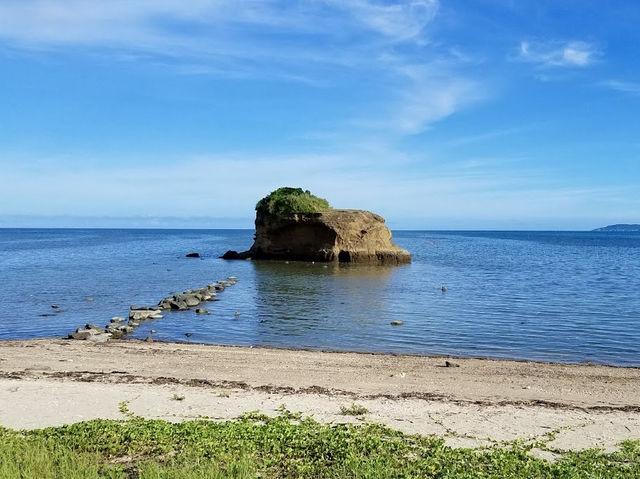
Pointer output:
396, 323
193, 255
116, 328
451, 364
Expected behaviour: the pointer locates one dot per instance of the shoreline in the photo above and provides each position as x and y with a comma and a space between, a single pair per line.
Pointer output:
351, 351
474, 402
384, 353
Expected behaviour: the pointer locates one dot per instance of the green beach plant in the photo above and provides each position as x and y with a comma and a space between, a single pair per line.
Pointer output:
285, 446
353, 410
286, 201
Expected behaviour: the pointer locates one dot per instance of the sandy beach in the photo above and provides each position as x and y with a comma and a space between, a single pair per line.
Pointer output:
472, 402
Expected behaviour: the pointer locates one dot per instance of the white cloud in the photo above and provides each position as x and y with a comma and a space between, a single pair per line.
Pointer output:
622, 86
558, 54
423, 94
433, 99
228, 186
310, 42
201, 26
399, 20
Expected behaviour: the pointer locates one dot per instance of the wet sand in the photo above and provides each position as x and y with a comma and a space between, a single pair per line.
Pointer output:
480, 402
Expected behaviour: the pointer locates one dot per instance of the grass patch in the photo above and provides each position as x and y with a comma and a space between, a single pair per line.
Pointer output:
353, 410
285, 446
287, 201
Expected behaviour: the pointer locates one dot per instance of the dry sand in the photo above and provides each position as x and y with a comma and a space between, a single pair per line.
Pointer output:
50, 382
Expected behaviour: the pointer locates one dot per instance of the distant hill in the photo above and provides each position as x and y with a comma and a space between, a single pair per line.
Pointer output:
619, 228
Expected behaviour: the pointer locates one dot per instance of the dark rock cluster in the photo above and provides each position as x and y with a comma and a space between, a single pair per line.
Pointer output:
119, 326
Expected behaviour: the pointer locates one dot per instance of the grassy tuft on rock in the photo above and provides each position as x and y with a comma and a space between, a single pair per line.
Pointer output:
286, 201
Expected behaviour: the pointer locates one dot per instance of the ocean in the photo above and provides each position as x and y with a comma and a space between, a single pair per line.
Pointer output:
548, 296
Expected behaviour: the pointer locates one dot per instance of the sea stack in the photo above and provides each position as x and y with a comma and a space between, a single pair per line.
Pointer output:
292, 224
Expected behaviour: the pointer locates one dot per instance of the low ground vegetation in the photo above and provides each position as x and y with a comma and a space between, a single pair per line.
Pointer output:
285, 446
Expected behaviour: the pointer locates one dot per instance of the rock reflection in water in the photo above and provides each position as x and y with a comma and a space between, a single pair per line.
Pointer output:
317, 302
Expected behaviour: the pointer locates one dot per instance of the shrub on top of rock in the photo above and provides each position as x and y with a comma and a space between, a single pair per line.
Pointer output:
287, 201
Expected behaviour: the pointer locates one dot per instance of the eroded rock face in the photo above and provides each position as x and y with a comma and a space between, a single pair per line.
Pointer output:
348, 236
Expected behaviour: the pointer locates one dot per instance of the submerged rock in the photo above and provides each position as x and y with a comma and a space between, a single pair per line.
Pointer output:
144, 314
117, 329
193, 255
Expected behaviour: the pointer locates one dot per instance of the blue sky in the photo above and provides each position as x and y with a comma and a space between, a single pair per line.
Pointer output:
437, 114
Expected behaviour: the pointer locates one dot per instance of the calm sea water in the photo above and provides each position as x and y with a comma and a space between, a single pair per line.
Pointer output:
557, 296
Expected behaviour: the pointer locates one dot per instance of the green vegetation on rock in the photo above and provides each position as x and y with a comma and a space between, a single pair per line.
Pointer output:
285, 446
286, 201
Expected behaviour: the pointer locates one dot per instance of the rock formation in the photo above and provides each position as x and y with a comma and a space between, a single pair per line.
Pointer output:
346, 236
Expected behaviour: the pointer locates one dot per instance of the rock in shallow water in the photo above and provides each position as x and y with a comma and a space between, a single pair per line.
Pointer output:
345, 236
99, 338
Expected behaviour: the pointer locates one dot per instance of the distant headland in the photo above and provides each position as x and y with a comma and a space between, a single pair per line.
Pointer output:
621, 227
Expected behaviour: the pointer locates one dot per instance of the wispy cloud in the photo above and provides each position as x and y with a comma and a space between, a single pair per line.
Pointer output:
622, 86
303, 42
200, 27
419, 95
400, 21
432, 99
550, 54
436, 195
